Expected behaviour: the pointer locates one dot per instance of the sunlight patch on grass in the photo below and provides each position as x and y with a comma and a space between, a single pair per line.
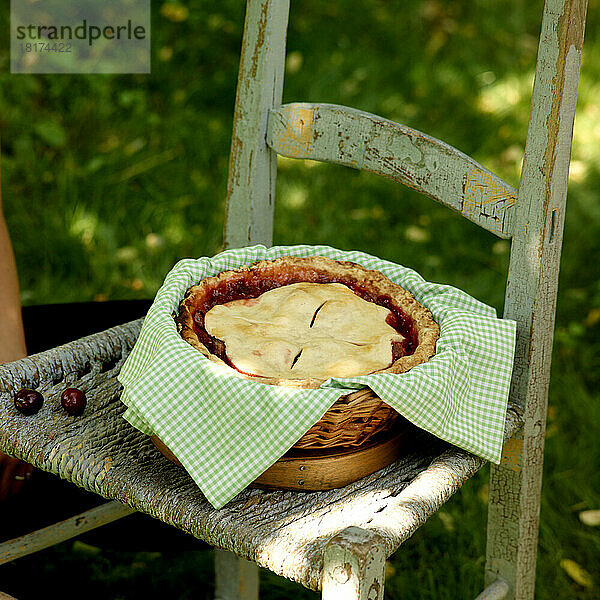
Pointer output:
165, 54
586, 132
577, 171
447, 520
199, 179
311, 164
590, 517
175, 12
503, 95
285, 163
153, 240
293, 62
374, 213
111, 142
294, 196
84, 225
501, 247
486, 78
577, 573
418, 235
134, 146
126, 254
175, 233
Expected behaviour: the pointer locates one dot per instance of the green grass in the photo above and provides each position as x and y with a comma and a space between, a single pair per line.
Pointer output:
109, 180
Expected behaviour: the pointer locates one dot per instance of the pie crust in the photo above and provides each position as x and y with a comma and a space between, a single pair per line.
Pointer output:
410, 340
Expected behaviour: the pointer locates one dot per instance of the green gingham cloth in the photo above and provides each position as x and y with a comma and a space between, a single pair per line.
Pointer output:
227, 430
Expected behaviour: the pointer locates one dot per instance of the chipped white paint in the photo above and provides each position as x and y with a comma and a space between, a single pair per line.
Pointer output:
345, 136
354, 566
252, 165
531, 294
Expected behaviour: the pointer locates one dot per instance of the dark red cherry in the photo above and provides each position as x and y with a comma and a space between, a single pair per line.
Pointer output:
73, 401
28, 401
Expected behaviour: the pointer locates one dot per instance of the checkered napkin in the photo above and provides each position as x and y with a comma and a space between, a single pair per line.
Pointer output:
226, 430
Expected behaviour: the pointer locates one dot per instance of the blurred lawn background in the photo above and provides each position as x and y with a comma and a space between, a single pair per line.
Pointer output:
109, 180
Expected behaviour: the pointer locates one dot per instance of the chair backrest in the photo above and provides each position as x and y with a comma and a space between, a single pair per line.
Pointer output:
532, 217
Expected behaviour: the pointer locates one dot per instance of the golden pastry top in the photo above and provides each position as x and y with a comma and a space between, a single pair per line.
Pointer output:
304, 330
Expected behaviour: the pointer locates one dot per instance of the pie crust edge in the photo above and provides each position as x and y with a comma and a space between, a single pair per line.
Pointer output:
344, 271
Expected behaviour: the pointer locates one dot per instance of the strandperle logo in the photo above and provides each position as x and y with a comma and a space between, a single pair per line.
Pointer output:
83, 36
91, 33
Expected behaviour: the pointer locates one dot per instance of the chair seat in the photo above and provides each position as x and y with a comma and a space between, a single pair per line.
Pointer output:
283, 531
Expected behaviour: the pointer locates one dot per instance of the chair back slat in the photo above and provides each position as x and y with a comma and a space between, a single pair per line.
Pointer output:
252, 165
350, 137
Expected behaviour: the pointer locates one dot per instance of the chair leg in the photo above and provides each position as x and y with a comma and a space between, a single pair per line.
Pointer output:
235, 578
513, 515
354, 566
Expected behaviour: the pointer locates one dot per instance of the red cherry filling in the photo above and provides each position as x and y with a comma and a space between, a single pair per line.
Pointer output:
248, 284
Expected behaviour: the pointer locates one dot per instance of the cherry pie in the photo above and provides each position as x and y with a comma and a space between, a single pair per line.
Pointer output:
298, 321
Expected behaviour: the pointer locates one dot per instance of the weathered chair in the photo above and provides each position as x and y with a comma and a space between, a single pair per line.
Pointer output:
338, 540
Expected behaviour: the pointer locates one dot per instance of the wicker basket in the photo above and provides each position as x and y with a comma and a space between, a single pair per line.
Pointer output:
351, 421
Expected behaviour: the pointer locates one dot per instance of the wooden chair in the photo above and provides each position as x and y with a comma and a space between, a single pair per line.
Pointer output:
335, 541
